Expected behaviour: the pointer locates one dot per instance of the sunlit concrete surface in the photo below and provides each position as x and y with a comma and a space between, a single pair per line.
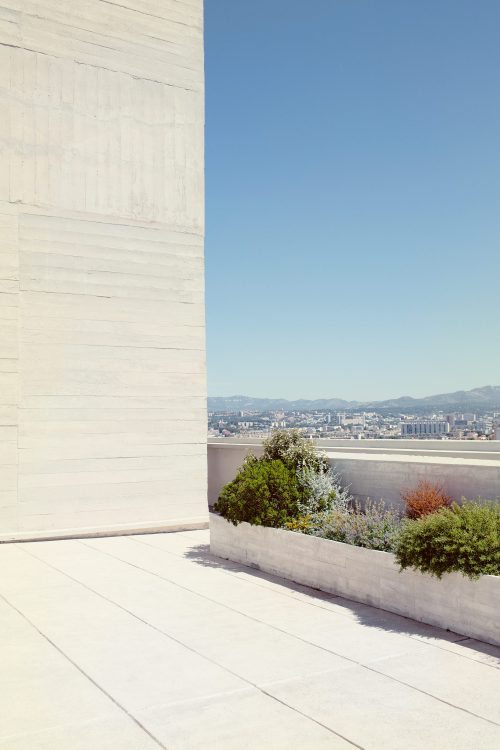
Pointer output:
147, 641
102, 316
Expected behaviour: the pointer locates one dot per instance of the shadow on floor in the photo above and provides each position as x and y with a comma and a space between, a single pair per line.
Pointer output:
362, 613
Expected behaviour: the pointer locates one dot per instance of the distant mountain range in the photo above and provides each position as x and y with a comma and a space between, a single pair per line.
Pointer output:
478, 399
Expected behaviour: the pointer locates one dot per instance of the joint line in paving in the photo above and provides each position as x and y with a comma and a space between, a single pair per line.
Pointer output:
233, 573
292, 635
180, 643
82, 671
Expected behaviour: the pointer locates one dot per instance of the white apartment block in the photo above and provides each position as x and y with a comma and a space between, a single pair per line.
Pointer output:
426, 428
102, 361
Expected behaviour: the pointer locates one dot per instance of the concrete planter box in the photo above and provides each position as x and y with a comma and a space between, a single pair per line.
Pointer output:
455, 603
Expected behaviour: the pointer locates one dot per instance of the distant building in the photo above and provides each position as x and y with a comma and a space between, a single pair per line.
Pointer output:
468, 417
426, 428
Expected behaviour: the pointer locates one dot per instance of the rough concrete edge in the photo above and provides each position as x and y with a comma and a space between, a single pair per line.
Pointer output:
159, 527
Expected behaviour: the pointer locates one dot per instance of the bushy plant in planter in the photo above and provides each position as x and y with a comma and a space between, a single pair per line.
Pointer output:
464, 538
292, 486
425, 498
323, 491
263, 493
373, 527
290, 447
291, 480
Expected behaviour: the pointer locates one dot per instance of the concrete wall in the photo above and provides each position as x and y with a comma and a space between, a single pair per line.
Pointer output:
102, 361
380, 473
410, 446
454, 602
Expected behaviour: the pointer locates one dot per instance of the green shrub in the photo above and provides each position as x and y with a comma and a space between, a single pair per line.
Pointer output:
294, 450
264, 493
464, 538
376, 527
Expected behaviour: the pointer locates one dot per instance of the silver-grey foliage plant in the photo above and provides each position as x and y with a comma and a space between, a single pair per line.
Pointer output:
323, 491
374, 527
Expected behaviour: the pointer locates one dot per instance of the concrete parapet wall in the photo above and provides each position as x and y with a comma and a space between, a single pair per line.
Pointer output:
224, 460
378, 475
414, 447
467, 607
384, 476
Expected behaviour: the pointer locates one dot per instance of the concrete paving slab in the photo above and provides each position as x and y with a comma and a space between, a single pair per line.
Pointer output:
449, 677
242, 721
39, 688
147, 641
354, 611
378, 713
258, 652
324, 628
99, 734
138, 665
21, 572
199, 550
476, 650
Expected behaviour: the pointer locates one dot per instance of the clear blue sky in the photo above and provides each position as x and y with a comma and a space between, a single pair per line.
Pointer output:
353, 197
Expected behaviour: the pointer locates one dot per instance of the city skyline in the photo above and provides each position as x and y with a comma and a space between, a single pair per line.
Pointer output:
353, 221
356, 424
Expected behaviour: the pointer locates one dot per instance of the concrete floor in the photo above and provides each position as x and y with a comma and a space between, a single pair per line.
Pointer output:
142, 642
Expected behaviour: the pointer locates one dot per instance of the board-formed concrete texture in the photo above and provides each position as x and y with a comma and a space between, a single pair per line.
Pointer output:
364, 575
102, 361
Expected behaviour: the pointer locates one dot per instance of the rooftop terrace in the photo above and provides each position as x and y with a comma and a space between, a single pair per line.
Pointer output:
149, 641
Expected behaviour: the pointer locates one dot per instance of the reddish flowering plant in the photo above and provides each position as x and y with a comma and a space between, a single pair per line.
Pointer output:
425, 498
